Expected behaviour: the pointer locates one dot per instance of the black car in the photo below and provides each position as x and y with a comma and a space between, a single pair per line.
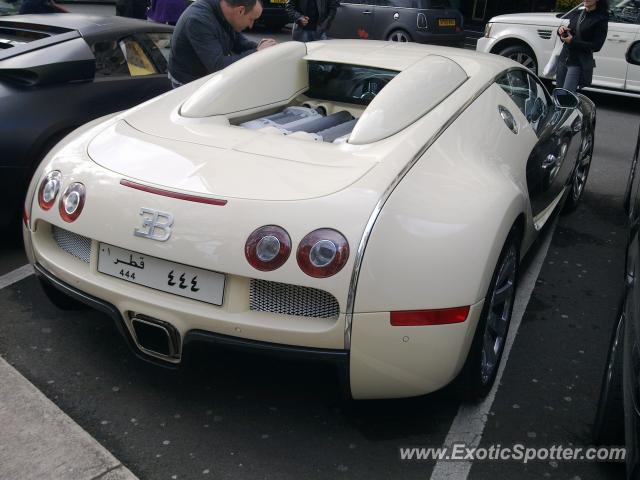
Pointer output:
59, 71
274, 15
618, 416
423, 21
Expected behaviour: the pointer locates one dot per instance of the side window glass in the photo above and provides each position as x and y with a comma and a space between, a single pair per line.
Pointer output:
625, 11
137, 60
528, 95
110, 61
515, 84
158, 46
537, 105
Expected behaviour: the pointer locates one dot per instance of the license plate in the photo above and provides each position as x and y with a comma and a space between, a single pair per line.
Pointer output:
153, 272
279, 1
446, 22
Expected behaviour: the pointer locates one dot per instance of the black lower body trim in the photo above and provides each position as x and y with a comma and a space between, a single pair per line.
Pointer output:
340, 358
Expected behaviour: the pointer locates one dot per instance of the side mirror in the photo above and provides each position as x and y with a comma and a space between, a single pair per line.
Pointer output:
565, 99
633, 54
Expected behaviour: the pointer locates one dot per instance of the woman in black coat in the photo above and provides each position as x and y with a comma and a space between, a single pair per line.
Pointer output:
586, 33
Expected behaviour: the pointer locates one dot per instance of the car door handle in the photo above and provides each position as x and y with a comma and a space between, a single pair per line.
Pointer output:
630, 279
367, 12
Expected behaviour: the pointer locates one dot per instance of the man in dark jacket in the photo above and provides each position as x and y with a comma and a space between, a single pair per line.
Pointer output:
311, 18
207, 38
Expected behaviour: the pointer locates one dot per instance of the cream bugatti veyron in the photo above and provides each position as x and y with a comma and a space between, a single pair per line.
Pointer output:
365, 203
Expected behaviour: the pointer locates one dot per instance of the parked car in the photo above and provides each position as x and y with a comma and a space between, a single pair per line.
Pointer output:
59, 71
618, 418
368, 205
274, 16
529, 38
422, 21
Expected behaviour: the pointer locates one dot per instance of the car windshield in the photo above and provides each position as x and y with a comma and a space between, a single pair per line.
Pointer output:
621, 11
346, 83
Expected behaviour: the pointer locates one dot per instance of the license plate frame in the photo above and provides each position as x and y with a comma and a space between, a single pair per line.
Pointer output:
447, 22
164, 275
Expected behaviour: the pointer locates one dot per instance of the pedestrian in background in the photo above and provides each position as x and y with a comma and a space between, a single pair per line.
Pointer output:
311, 18
166, 11
207, 38
586, 33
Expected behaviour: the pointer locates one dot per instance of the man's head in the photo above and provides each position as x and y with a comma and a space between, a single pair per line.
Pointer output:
241, 13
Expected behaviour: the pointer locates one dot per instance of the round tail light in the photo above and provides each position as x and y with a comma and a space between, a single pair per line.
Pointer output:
268, 247
49, 188
72, 202
323, 253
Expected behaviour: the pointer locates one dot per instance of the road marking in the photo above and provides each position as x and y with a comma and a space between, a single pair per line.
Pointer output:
470, 421
16, 275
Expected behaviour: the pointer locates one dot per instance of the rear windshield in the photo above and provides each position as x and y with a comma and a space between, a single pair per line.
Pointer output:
11, 35
346, 83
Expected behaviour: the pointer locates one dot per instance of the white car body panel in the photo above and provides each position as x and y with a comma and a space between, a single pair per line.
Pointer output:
424, 190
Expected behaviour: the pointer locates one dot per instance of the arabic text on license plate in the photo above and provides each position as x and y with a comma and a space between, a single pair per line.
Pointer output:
159, 274
279, 1
446, 22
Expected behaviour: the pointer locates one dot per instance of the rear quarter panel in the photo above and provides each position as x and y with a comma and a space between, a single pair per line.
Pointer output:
437, 239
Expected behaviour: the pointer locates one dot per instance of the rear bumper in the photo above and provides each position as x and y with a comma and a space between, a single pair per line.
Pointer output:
384, 361
338, 357
425, 36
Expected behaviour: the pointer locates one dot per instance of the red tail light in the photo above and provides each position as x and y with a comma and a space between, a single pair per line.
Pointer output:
25, 217
49, 188
414, 318
267, 248
323, 253
72, 202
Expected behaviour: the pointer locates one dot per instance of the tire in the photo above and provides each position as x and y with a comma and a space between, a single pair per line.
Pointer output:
521, 54
608, 427
479, 371
580, 174
59, 299
399, 36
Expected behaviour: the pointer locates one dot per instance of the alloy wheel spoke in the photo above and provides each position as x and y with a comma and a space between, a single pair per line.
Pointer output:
502, 294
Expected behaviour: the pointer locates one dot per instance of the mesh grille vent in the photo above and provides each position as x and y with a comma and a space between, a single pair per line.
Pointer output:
545, 34
76, 245
288, 299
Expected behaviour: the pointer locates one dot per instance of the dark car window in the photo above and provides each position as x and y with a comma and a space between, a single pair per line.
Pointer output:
346, 83
528, 95
625, 11
110, 60
128, 57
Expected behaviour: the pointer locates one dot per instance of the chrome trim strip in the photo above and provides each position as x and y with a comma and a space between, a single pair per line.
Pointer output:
353, 284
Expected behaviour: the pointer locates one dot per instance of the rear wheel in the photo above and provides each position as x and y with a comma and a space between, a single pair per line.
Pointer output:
480, 369
521, 54
580, 174
399, 36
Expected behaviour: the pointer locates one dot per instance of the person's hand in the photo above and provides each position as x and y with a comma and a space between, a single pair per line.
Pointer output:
567, 38
303, 22
562, 30
266, 43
